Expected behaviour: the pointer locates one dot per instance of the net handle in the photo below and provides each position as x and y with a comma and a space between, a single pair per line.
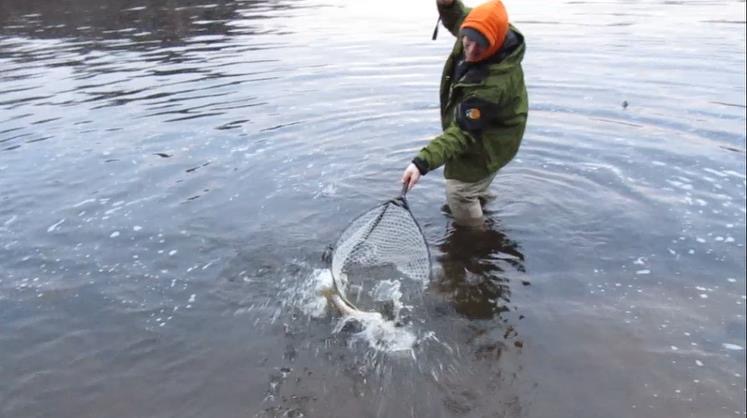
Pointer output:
401, 200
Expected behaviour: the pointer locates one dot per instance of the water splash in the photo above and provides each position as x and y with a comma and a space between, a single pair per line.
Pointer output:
316, 298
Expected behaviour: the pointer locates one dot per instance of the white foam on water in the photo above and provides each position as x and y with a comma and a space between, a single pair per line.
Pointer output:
311, 299
735, 174
113, 210
389, 290
379, 333
680, 185
55, 226
374, 330
79, 204
715, 172
328, 190
732, 347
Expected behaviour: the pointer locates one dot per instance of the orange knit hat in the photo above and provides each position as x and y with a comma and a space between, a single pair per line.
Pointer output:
491, 20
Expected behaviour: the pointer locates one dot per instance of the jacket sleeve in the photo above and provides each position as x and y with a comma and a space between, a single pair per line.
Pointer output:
451, 143
453, 16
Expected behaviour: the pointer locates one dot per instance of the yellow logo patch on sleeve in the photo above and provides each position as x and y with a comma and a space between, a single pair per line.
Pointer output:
473, 113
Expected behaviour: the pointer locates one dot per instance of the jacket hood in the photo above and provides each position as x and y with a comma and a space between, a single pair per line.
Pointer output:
491, 20
512, 50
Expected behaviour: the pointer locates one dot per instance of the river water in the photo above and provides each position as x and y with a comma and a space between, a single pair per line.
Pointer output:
171, 173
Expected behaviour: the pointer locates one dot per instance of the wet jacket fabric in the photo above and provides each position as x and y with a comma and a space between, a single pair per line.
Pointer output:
483, 107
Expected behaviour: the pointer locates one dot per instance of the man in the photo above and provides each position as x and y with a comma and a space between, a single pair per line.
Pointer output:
483, 107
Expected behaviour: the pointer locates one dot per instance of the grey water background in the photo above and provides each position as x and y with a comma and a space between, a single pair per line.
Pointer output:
170, 173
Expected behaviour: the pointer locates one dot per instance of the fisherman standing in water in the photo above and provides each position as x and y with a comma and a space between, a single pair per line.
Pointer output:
483, 107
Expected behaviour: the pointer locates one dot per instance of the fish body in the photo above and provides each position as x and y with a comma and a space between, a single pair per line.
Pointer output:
346, 308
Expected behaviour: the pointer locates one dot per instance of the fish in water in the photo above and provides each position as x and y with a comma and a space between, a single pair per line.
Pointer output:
346, 308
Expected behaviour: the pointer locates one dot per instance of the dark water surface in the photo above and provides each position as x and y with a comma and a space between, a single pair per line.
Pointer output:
171, 171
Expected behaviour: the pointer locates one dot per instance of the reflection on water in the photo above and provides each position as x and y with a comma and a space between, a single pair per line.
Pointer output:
475, 263
120, 24
170, 172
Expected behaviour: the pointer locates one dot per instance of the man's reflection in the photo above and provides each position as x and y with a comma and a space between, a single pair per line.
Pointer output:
477, 265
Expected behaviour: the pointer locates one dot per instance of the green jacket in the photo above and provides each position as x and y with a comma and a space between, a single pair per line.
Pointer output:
483, 113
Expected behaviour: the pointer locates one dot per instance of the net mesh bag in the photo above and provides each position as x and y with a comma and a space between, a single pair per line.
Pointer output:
381, 243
